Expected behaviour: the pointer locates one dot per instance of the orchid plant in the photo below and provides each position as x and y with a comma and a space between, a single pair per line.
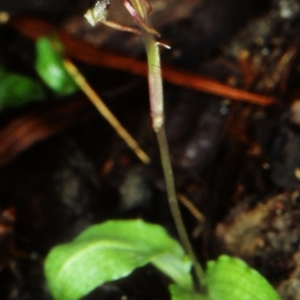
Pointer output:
74, 269
139, 10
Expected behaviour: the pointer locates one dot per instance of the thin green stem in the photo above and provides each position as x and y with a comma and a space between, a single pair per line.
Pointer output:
139, 8
154, 81
174, 206
157, 114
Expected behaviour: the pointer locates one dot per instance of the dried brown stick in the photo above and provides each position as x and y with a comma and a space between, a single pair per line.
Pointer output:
78, 49
25, 130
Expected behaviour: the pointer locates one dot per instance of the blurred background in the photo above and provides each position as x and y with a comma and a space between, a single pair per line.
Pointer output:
62, 167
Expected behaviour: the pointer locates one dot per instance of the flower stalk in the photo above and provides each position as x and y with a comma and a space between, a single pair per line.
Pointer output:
157, 115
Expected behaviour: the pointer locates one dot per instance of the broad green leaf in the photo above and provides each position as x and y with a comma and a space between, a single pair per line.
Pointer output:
110, 251
179, 293
49, 66
17, 90
230, 278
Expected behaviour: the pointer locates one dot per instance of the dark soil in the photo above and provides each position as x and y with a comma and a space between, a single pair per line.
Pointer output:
64, 168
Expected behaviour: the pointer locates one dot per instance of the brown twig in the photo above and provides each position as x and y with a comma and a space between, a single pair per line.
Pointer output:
78, 49
105, 112
24, 131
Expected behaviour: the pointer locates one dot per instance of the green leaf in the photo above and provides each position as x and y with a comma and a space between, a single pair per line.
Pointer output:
17, 90
178, 293
230, 278
110, 251
50, 67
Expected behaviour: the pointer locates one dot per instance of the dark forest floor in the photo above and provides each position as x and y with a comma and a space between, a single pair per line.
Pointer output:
238, 162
